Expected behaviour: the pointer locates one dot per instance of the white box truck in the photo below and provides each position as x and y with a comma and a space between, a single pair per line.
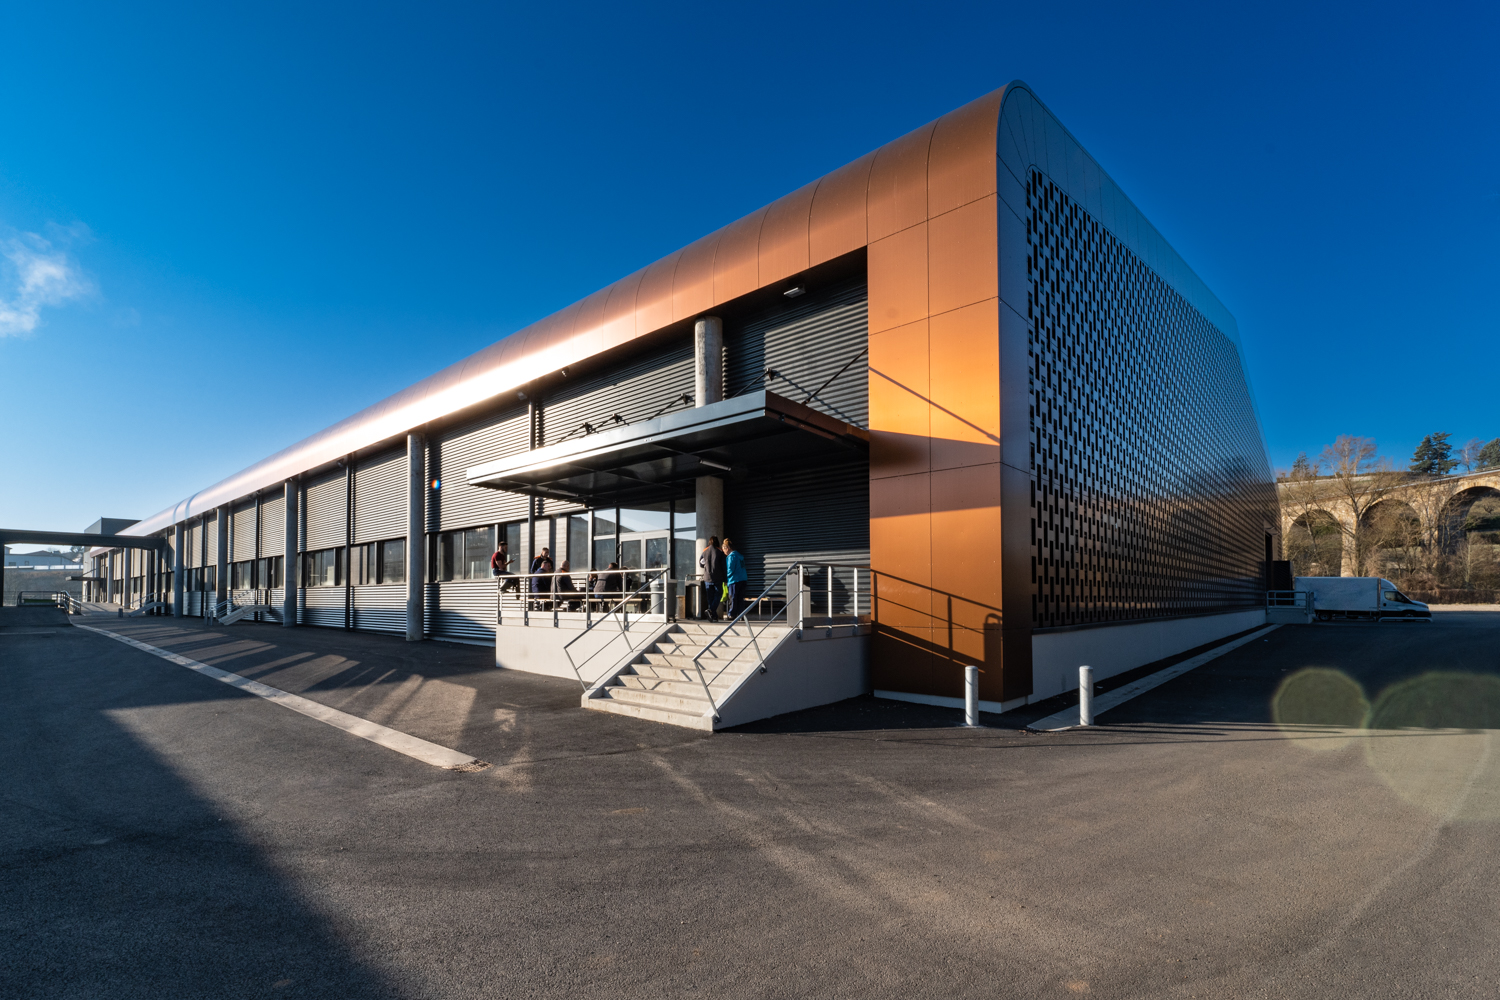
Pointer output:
1360, 598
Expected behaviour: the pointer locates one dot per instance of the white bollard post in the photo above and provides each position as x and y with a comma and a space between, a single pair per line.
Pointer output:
1085, 696
971, 696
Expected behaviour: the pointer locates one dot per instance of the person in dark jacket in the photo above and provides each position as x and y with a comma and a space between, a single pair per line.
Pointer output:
565, 589
541, 585
608, 587
711, 572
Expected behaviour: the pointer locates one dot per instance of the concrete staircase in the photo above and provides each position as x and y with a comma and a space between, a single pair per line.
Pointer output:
662, 685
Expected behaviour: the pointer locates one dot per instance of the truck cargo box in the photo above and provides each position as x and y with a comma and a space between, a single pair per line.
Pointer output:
1360, 598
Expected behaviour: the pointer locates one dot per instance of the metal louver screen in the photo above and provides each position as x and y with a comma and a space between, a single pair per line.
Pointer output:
459, 505
323, 513
809, 515
242, 533
815, 347
380, 498
635, 391
273, 525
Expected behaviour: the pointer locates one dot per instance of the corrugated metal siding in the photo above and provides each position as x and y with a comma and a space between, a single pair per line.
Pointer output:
192, 542
635, 390
323, 513
465, 609
383, 608
273, 525
459, 505
380, 499
811, 515
809, 344
321, 606
242, 533
211, 527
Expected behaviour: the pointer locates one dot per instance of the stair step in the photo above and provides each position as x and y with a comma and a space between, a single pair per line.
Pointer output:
685, 687
685, 702
651, 713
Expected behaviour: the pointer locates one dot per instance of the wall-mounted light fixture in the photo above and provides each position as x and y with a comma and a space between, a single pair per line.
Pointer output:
795, 291
712, 464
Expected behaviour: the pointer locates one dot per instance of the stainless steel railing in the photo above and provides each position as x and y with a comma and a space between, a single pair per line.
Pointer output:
620, 614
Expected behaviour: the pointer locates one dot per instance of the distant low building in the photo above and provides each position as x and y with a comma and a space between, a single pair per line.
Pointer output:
51, 559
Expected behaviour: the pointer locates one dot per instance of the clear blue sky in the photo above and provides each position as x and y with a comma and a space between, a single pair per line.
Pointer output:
226, 226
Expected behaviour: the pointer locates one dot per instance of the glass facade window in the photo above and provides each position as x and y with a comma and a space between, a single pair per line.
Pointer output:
464, 555
324, 568
242, 575
578, 542
392, 561
268, 572
378, 563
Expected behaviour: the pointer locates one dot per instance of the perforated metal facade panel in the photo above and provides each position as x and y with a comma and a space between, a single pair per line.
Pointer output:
817, 347
459, 505
380, 498
1150, 485
324, 513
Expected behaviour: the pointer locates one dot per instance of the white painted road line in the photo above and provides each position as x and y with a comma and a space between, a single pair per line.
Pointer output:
1068, 717
427, 753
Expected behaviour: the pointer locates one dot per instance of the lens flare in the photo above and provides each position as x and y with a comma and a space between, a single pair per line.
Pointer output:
1433, 739
1320, 705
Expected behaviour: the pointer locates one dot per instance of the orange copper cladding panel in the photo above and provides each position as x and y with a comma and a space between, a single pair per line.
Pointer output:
898, 279
900, 386
735, 264
898, 184
783, 239
653, 300
964, 386
693, 286
961, 167
836, 224
963, 256
617, 325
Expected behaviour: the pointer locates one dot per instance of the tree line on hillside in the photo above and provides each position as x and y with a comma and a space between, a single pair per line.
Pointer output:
1352, 511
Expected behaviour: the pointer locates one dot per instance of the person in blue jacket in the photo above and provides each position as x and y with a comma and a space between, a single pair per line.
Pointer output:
735, 577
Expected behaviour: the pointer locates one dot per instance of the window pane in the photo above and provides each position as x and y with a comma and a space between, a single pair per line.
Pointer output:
656, 552
604, 552
630, 554
479, 545
604, 523
513, 547
686, 563
578, 542
444, 560
393, 561
644, 520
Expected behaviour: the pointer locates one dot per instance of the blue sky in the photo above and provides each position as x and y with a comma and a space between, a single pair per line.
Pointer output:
224, 227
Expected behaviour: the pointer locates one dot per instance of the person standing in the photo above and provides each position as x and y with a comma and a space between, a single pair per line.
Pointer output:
735, 577
711, 572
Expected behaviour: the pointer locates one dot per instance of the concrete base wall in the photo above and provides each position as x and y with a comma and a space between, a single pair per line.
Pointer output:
1114, 649
802, 673
538, 649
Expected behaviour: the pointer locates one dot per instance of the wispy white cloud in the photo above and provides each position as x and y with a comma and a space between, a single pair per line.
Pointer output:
35, 274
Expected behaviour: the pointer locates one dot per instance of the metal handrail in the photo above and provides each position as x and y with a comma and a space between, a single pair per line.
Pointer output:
1288, 598
623, 620
754, 636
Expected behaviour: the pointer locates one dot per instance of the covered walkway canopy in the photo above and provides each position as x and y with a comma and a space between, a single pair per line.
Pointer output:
654, 459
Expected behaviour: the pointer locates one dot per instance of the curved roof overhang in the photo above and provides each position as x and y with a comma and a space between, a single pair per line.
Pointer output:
942, 166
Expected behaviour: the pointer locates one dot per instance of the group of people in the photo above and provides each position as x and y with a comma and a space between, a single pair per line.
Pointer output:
549, 585
720, 565
722, 569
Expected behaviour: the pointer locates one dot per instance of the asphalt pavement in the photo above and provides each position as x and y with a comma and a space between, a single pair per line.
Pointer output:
1239, 831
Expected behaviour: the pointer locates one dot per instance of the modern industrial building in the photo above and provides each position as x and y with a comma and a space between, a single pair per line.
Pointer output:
965, 361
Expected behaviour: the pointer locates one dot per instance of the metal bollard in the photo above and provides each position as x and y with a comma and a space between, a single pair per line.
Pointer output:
1085, 696
971, 696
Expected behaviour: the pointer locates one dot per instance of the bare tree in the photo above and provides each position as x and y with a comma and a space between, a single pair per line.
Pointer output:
1358, 479
1468, 455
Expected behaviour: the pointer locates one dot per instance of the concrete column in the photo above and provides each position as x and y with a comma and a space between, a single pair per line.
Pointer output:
221, 570
290, 578
708, 387
178, 542
416, 536
708, 360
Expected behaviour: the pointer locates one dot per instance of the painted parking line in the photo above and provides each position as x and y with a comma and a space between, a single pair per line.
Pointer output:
412, 746
1068, 717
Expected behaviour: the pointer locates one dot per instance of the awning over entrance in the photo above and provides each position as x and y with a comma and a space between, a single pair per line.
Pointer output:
654, 459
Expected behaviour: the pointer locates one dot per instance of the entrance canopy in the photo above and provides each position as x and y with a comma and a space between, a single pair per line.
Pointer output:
655, 459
